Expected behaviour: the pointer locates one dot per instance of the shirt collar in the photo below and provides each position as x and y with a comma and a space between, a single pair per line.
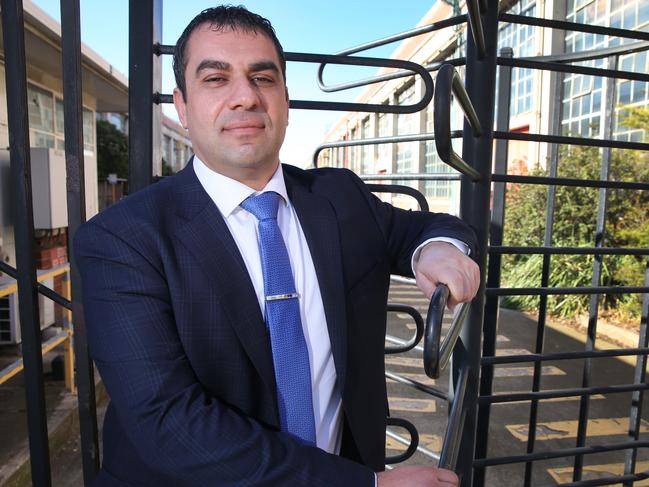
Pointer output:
228, 193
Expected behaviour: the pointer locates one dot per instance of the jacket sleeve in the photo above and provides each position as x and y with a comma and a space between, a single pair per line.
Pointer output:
179, 430
404, 230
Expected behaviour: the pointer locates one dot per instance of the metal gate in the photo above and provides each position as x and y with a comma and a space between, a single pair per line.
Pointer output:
482, 206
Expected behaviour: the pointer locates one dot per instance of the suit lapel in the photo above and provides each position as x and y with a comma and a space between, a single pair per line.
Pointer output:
318, 220
206, 236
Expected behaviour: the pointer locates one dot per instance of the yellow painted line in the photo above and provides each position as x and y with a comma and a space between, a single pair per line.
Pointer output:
421, 378
7, 290
553, 430
554, 399
54, 272
592, 472
19, 365
412, 405
432, 442
546, 370
405, 362
512, 351
52, 345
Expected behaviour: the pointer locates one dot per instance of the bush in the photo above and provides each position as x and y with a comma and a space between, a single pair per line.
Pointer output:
575, 214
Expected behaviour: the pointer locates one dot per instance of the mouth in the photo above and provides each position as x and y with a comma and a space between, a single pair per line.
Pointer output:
244, 127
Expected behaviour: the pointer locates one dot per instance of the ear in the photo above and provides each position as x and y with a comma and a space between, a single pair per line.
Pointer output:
288, 110
181, 107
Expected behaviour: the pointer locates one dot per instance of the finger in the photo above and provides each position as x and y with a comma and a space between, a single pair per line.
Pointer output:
426, 285
447, 477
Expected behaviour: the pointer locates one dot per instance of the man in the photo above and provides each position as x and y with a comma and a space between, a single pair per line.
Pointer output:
182, 322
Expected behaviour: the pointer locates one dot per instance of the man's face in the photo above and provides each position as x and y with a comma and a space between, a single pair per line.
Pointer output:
236, 110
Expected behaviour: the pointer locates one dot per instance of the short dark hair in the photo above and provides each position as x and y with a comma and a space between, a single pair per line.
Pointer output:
220, 17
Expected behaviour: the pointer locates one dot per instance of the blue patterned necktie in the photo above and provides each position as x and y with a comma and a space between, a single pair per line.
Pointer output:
290, 353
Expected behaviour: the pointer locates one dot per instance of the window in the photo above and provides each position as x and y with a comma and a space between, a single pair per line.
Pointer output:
46, 120
582, 104
366, 152
522, 39
406, 124
383, 160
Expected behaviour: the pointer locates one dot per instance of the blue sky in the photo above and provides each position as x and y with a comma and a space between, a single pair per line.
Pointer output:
302, 26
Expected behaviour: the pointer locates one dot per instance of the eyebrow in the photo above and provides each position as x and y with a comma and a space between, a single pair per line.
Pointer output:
213, 64
265, 65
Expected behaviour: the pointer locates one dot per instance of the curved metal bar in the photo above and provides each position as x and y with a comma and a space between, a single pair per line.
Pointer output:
414, 440
419, 332
377, 141
300, 57
460, 19
400, 189
475, 22
451, 445
379, 78
364, 61
449, 82
436, 357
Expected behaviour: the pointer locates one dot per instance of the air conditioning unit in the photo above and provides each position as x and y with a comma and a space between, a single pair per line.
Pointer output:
10, 316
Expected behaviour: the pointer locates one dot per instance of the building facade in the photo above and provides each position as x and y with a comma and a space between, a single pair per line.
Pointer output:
538, 99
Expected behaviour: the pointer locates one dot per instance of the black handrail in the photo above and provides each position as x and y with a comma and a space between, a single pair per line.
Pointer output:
419, 332
42, 289
449, 82
412, 446
436, 357
414, 68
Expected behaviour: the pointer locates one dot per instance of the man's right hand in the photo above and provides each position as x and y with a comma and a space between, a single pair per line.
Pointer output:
415, 476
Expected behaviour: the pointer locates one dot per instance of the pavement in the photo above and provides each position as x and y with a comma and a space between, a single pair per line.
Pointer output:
509, 422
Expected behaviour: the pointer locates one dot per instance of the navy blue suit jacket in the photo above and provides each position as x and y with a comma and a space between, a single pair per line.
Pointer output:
176, 332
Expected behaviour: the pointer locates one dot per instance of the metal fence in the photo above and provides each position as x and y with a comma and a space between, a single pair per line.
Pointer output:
472, 374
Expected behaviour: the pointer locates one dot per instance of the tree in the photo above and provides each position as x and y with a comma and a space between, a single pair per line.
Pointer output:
575, 213
112, 150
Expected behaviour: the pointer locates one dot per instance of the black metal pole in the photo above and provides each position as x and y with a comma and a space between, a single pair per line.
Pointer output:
145, 117
74, 164
639, 377
13, 32
545, 279
475, 202
496, 230
602, 205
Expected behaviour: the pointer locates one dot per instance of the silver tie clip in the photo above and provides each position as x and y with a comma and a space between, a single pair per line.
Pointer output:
282, 296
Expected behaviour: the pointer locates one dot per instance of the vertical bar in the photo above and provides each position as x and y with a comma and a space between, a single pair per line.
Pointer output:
496, 229
602, 204
75, 178
13, 32
545, 278
475, 208
639, 377
145, 117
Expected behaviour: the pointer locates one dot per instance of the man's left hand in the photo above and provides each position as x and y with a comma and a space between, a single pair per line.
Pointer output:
443, 263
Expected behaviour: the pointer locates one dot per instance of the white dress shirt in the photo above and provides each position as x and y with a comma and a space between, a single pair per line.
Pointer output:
227, 194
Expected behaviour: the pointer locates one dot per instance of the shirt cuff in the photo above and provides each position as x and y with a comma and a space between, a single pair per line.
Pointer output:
376, 480
461, 246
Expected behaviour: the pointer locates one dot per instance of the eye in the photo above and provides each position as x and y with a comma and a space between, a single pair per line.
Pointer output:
214, 79
261, 79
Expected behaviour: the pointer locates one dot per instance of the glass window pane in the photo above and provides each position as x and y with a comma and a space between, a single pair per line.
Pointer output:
88, 130
39, 106
60, 129
39, 139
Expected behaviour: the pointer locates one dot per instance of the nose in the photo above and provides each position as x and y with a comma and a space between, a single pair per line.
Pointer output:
244, 95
